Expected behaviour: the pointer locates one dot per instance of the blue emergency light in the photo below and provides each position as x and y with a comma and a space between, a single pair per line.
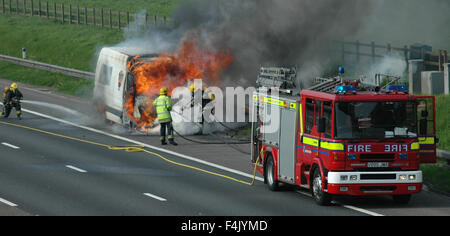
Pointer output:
341, 70
397, 88
345, 89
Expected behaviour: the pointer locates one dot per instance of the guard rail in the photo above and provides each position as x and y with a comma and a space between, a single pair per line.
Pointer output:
48, 67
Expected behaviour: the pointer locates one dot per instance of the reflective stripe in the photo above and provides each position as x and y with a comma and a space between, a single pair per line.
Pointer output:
426, 140
164, 120
332, 146
301, 120
311, 141
275, 101
415, 146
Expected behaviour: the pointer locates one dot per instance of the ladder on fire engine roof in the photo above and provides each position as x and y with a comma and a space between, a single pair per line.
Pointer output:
326, 85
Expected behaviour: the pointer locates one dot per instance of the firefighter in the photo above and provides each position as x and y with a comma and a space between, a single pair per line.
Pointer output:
163, 106
12, 99
206, 98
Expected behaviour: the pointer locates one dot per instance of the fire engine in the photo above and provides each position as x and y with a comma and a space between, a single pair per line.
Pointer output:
341, 136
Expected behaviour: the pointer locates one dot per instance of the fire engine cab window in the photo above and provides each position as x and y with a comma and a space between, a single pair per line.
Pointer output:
327, 115
309, 120
375, 120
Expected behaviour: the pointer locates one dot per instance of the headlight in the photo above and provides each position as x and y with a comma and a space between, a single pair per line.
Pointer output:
353, 177
402, 177
412, 177
344, 177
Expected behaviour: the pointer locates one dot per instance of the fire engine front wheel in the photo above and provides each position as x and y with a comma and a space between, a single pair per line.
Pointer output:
270, 174
321, 198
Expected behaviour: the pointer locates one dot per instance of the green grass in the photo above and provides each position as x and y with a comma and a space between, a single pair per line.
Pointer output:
60, 82
439, 177
153, 7
443, 121
49, 41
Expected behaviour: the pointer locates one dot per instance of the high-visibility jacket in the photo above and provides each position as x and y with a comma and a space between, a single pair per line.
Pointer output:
163, 106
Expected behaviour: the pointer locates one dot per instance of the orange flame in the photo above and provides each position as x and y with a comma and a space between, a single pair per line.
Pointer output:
190, 62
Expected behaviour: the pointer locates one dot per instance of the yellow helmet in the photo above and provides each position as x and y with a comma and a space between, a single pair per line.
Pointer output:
14, 86
163, 91
193, 88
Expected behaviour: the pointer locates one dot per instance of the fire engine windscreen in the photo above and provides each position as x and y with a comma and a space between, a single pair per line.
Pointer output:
375, 120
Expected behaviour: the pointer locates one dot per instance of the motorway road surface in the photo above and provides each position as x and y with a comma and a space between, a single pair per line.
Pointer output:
41, 174
47, 175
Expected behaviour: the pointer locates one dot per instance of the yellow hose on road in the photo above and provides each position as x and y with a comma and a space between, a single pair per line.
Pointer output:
137, 148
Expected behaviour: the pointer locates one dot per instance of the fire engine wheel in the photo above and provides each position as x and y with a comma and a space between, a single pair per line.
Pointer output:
321, 198
270, 174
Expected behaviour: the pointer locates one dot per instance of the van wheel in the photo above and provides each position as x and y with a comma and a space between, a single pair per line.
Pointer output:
269, 173
321, 198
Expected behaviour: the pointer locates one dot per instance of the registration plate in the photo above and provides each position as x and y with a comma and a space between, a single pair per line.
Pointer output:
378, 164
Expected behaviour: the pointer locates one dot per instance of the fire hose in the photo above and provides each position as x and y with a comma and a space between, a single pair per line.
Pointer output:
140, 148
216, 136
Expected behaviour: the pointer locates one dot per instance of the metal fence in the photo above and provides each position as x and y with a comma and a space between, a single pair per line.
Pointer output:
353, 52
77, 15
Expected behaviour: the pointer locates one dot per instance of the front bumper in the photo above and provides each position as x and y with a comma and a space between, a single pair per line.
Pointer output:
375, 183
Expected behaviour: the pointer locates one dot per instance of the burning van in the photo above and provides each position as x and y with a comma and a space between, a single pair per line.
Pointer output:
128, 80
115, 84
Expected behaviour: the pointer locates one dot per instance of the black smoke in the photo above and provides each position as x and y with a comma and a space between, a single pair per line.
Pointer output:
271, 32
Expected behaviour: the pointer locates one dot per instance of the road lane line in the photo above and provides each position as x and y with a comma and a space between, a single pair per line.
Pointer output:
8, 202
76, 168
175, 154
145, 145
359, 209
155, 197
345, 206
11, 146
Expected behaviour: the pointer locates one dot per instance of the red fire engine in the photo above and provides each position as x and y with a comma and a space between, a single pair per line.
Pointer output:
341, 136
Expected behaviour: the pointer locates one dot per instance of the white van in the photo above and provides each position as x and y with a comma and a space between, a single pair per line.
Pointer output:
114, 83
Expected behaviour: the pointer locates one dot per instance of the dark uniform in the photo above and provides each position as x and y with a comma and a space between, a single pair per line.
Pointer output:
12, 99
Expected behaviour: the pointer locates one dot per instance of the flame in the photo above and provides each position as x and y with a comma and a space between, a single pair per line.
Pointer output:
173, 70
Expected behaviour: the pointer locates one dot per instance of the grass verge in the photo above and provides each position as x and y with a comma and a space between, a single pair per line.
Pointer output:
154, 7
437, 176
62, 83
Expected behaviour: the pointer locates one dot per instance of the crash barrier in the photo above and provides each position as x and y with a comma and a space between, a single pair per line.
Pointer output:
444, 155
49, 67
67, 13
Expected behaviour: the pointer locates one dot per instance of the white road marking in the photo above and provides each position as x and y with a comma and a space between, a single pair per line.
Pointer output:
145, 145
8, 202
11, 146
175, 154
155, 197
360, 210
76, 168
347, 206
